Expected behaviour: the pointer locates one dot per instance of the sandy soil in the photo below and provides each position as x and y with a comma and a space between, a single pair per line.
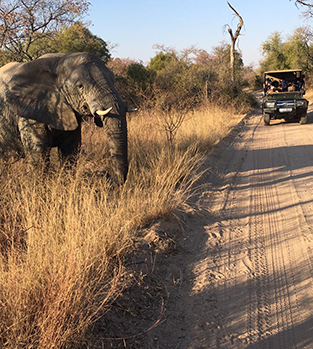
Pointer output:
239, 271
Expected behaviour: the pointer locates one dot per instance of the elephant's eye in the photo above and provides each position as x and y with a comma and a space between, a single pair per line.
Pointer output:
80, 85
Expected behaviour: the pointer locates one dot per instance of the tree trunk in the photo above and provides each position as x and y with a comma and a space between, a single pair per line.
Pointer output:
234, 37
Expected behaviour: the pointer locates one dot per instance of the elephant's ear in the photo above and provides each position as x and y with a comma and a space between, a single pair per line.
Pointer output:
34, 92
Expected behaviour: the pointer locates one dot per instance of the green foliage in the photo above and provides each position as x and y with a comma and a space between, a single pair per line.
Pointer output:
6, 57
295, 52
273, 50
139, 76
174, 75
192, 73
161, 60
78, 38
132, 79
258, 82
298, 49
43, 43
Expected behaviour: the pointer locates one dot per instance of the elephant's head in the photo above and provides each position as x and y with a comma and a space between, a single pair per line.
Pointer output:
58, 90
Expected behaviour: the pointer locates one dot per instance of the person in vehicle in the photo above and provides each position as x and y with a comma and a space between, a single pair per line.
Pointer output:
301, 83
282, 85
274, 86
267, 85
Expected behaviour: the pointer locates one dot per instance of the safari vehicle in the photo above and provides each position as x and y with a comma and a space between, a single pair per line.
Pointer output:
283, 96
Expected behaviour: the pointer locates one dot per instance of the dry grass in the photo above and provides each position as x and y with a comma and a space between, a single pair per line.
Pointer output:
309, 95
207, 126
63, 237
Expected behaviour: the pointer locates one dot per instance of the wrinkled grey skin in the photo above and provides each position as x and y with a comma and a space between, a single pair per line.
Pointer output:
42, 104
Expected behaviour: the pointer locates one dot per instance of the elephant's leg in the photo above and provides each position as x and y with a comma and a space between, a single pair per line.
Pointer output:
35, 140
10, 140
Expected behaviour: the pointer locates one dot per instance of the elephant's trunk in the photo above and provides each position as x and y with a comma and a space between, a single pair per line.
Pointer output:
117, 134
110, 111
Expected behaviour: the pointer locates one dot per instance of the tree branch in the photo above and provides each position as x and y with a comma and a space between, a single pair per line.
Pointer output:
239, 26
308, 4
22, 21
304, 3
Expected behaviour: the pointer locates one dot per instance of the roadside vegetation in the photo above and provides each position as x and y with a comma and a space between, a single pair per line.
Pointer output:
64, 238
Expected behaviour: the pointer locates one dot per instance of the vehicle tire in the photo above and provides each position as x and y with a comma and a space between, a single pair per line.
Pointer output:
303, 119
266, 118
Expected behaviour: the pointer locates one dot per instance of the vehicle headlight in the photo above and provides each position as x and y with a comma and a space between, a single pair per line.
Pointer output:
269, 104
301, 103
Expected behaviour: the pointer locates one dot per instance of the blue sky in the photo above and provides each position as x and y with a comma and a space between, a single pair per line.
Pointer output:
135, 26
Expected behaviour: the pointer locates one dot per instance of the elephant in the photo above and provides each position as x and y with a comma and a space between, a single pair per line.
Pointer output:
43, 103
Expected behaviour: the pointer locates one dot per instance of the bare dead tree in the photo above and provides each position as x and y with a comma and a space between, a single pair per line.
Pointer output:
234, 38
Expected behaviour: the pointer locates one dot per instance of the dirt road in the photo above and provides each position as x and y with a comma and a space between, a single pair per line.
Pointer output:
243, 273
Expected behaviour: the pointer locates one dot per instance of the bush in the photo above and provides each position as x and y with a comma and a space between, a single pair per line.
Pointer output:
258, 82
232, 97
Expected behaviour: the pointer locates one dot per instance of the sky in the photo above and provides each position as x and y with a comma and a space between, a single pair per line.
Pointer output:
134, 27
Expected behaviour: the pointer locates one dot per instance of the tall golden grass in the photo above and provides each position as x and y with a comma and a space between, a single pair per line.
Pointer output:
309, 95
63, 236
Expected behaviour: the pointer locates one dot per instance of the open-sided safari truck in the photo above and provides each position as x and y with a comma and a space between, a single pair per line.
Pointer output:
283, 96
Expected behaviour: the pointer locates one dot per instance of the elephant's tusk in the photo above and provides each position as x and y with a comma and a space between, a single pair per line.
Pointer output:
132, 110
103, 112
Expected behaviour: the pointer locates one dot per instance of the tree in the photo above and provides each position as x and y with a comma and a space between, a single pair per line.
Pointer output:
174, 70
295, 52
24, 22
298, 49
234, 38
221, 63
78, 38
133, 80
139, 76
161, 60
273, 50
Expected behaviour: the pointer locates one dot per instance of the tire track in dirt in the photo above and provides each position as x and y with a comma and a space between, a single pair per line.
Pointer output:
246, 259
272, 254
278, 230
233, 257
